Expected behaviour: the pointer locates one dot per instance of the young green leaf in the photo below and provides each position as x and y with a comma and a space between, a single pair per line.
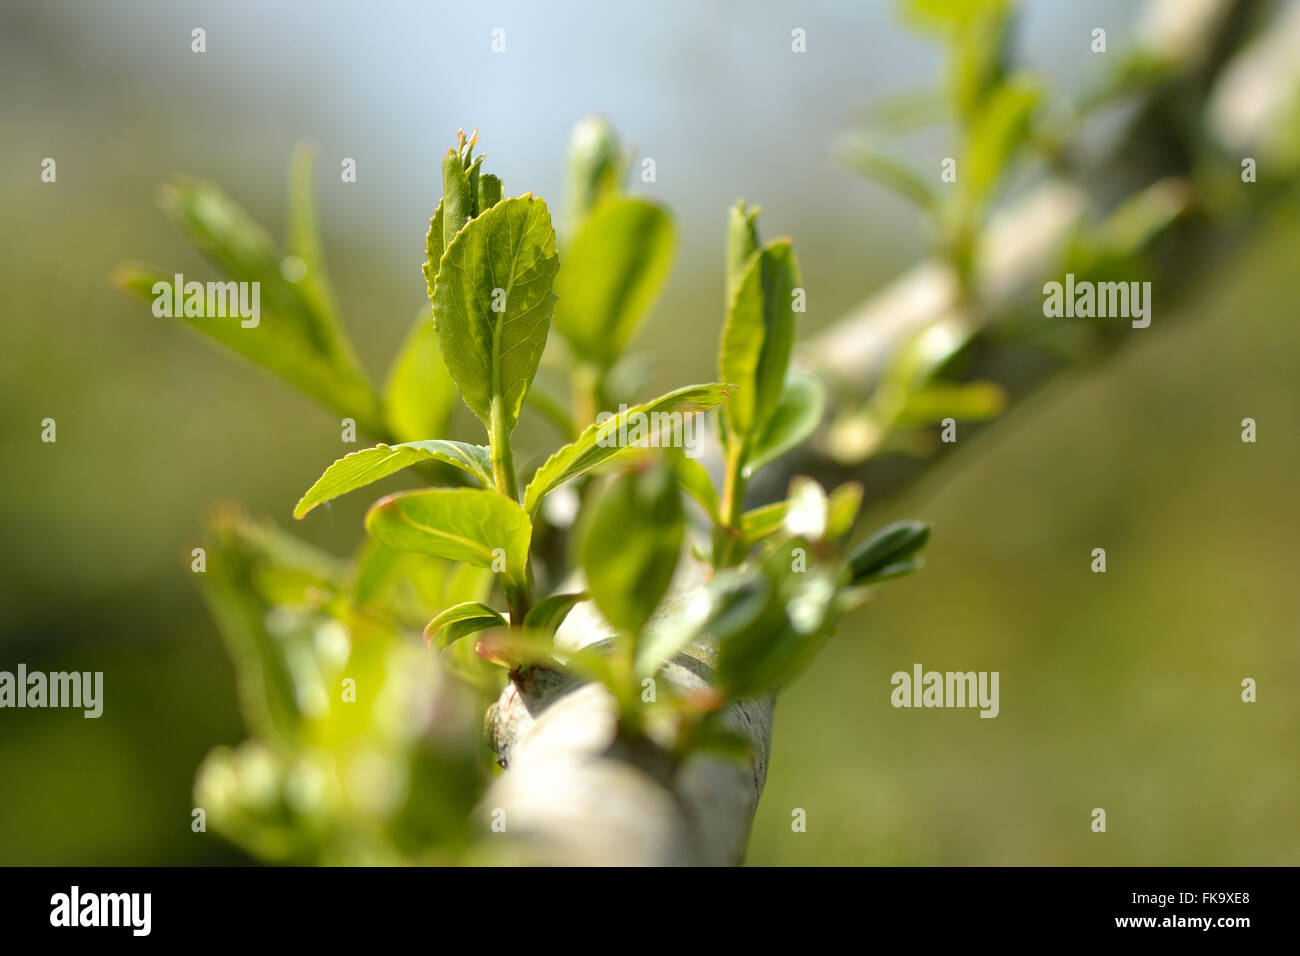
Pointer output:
630, 542
360, 468
757, 339
1000, 127
434, 247
695, 481
599, 442
843, 509
420, 396
473, 525
548, 614
777, 643
797, 415
891, 545
731, 600
457, 196
898, 176
763, 521
460, 621
967, 402
303, 242
296, 334
742, 244
489, 192
595, 168
613, 272
492, 303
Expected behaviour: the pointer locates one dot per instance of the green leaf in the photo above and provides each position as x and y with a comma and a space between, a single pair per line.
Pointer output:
434, 247
778, 642
892, 173
360, 468
409, 587
757, 339
489, 192
730, 601
549, 613
742, 245
598, 442
457, 196
252, 569
595, 168
891, 545
304, 242
630, 542
999, 128
763, 521
613, 271
695, 481
843, 509
297, 335
970, 402
797, 415
502, 260
420, 396
895, 569
461, 620
473, 525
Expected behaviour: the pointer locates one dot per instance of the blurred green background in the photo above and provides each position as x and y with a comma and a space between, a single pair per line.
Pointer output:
1118, 690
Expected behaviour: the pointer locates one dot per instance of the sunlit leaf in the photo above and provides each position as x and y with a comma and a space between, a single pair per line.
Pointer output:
473, 525
630, 542
549, 613
613, 271
763, 521
492, 304
795, 418
460, 621
598, 443
360, 468
757, 338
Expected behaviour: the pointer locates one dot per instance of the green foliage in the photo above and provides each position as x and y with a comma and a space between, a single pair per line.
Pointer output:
631, 541
548, 614
327, 777
347, 764
598, 444
360, 468
492, 302
461, 620
615, 266
888, 553
477, 526
798, 413
596, 164
299, 335
757, 339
